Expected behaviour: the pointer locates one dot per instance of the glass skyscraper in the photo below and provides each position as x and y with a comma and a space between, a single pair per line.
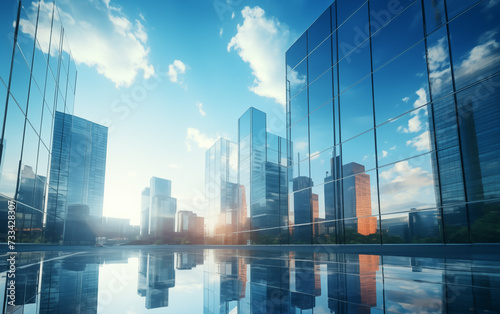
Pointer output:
77, 172
392, 120
222, 192
37, 78
158, 209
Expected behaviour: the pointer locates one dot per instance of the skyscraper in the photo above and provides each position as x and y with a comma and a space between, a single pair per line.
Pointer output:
77, 169
401, 117
145, 211
161, 209
37, 78
262, 179
221, 192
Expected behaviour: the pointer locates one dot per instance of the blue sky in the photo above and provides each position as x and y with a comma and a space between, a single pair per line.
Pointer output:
170, 77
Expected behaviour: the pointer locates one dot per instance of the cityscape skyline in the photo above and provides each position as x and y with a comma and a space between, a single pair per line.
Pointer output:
183, 83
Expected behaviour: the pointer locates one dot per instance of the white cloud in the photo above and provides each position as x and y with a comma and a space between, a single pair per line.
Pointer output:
262, 42
421, 142
384, 153
174, 166
422, 98
176, 68
221, 31
201, 140
406, 99
232, 16
393, 147
104, 39
403, 187
199, 105
479, 58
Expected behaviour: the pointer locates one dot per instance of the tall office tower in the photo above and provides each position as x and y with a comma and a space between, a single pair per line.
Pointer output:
37, 78
411, 102
160, 278
262, 178
162, 207
145, 211
221, 192
77, 169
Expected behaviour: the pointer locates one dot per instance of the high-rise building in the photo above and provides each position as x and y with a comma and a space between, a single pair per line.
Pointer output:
37, 79
159, 209
402, 117
77, 169
145, 212
221, 192
262, 178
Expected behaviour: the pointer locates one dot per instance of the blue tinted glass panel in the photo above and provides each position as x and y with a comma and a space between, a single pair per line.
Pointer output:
354, 67
319, 30
478, 115
320, 91
356, 110
407, 27
354, 32
321, 128
298, 107
405, 137
297, 52
408, 184
320, 59
438, 60
360, 150
401, 85
475, 44
435, 15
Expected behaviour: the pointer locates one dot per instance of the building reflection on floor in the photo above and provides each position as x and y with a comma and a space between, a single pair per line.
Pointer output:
258, 281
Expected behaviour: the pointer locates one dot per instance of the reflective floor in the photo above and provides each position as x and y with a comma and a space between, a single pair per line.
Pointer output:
247, 281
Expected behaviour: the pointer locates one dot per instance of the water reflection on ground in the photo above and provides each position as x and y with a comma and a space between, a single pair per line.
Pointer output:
170, 280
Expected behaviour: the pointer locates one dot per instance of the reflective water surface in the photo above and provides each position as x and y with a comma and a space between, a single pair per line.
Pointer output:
165, 280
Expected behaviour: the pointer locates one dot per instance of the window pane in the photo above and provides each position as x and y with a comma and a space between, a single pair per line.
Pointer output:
298, 107
456, 229
478, 115
321, 128
320, 59
300, 140
296, 53
20, 80
297, 79
438, 60
320, 91
319, 30
405, 137
401, 85
14, 129
35, 107
485, 222
360, 151
475, 44
345, 8
406, 27
354, 67
356, 110
407, 185
354, 32
320, 166
435, 15
412, 227
455, 7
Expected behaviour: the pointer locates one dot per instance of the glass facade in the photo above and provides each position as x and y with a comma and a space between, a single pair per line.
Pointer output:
158, 209
221, 192
392, 121
77, 172
262, 176
37, 78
